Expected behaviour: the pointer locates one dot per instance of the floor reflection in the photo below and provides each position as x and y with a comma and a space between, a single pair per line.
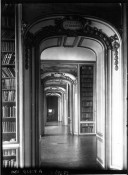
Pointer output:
61, 150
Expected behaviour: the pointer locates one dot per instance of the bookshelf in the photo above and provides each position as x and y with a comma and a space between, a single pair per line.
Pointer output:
10, 158
87, 120
9, 89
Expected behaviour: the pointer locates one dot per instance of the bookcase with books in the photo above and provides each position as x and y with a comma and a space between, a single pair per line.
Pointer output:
87, 120
10, 158
9, 88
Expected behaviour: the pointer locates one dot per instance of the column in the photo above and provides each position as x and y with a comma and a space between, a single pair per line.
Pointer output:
125, 81
75, 109
59, 109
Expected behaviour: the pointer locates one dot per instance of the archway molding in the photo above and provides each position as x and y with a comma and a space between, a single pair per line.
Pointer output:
110, 57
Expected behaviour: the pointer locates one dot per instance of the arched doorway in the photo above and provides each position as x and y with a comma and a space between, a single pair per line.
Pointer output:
105, 43
57, 79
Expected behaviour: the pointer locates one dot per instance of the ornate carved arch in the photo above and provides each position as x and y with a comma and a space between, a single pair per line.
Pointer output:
56, 76
71, 25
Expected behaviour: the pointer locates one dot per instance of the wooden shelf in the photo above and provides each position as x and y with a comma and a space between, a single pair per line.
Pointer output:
8, 117
9, 132
11, 39
8, 101
8, 65
86, 96
9, 51
8, 77
8, 89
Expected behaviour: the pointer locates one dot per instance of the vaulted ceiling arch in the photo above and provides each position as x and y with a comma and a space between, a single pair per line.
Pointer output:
55, 88
54, 76
70, 29
53, 94
72, 25
55, 91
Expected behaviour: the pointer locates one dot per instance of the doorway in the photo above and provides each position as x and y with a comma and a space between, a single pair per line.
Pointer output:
93, 46
77, 126
53, 123
52, 109
83, 108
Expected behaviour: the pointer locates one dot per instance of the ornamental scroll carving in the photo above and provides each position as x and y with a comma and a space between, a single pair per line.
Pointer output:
73, 26
77, 26
115, 47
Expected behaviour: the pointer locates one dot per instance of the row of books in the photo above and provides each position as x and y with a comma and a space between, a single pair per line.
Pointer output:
9, 163
87, 94
87, 72
9, 152
8, 127
84, 67
87, 89
88, 129
8, 46
86, 79
8, 111
8, 58
8, 96
87, 109
7, 34
86, 85
7, 22
87, 116
87, 103
8, 72
87, 98
86, 76
8, 84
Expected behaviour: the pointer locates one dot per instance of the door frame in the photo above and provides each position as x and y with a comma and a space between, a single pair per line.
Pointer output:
114, 77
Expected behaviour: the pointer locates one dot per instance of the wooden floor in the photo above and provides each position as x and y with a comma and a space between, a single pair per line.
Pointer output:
61, 150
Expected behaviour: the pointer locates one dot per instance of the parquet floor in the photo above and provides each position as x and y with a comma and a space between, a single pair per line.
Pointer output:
61, 150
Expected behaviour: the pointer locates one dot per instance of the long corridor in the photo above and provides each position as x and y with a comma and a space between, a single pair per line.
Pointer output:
61, 150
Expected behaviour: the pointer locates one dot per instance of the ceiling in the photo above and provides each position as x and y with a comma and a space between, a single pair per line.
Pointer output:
110, 12
59, 67
55, 80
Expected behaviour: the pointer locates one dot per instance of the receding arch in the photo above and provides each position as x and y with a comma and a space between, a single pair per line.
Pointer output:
101, 35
